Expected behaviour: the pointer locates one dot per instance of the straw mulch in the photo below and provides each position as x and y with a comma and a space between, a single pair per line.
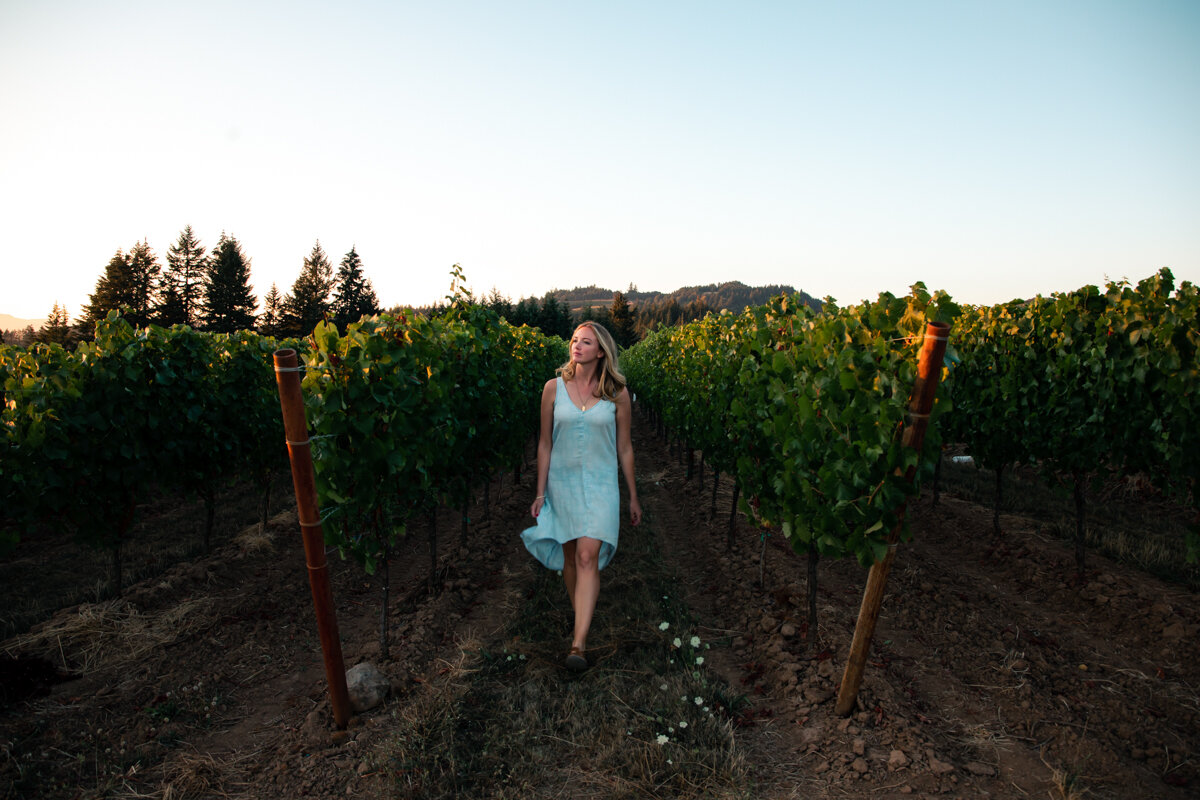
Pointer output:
102, 635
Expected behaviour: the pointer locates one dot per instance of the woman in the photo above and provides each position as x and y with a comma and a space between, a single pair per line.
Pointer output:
584, 436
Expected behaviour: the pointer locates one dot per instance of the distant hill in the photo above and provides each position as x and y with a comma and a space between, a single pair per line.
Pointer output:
733, 295
11, 323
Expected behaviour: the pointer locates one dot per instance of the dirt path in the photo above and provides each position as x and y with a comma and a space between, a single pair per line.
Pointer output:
993, 675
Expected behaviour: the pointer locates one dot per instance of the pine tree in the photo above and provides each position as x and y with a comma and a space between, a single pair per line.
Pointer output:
184, 278
354, 297
114, 290
270, 322
500, 304
622, 321
555, 317
57, 329
170, 309
308, 302
229, 301
525, 312
146, 272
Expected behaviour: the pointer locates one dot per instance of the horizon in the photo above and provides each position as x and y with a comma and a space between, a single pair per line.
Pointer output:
991, 150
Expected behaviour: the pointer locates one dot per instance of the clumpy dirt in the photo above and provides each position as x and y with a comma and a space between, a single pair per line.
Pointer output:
995, 672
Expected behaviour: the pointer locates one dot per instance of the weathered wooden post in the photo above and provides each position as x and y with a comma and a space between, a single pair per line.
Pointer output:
295, 427
929, 372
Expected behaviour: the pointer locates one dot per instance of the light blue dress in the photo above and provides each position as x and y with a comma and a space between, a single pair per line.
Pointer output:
583, 497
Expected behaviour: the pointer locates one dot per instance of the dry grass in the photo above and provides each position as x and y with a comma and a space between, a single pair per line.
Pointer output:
255, 540
1067, 785
507, 720
108, 634
189, 775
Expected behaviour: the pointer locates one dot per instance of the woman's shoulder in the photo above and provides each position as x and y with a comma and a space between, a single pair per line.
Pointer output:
622, 396
550, 386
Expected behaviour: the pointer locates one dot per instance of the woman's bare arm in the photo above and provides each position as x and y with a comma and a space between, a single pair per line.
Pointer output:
625, 453
545, 440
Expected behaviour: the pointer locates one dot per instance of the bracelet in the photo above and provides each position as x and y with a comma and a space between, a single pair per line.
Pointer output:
540, 497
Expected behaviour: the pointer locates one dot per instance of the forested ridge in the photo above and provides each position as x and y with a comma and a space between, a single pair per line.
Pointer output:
212, 291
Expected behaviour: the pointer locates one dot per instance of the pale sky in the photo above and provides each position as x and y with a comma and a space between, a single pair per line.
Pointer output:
990, 149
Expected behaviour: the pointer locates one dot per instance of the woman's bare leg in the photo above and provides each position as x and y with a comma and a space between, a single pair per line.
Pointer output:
584, 587
569, 570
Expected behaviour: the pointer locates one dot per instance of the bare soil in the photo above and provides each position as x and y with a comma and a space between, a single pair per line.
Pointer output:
995, 671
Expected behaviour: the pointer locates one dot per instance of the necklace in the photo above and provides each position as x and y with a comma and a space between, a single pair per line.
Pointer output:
582, 405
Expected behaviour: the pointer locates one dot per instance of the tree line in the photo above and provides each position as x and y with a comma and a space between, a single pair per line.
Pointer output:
211, 291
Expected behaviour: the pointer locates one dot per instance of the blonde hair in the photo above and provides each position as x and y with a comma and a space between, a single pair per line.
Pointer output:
611, 380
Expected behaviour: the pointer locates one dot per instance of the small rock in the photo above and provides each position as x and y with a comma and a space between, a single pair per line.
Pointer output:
822, 767
367, 686
977, 768
812, 734
897, 760
859, 747
788, 630
859, 765
817, 696
1174, 631
938, 767
315, 729
826, 668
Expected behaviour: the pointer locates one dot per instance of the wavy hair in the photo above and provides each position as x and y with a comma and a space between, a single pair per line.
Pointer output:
611, 380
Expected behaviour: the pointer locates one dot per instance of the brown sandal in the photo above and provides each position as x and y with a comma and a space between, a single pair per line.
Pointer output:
575, 660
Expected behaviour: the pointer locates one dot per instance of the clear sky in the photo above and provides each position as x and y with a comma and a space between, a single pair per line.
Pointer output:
991, 149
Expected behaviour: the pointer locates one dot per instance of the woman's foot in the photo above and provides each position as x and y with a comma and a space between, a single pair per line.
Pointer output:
575, 660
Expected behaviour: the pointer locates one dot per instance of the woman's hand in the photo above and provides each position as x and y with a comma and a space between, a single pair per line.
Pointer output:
536, 508
635, 512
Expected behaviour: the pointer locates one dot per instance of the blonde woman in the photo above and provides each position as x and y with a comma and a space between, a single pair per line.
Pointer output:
585, 425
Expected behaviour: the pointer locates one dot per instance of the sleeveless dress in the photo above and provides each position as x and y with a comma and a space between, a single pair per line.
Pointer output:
583, 497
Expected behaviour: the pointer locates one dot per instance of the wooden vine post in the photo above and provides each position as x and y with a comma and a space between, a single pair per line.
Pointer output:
929, 372
295, 426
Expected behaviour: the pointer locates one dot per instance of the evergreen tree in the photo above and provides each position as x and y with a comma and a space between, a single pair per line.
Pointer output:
145, 272
183, 280
229, 301
525, 312
501, 305
114, 289
57, 329
270, 322
354, 297
555, 317
598, 314
622, 316
170, 309
308, 302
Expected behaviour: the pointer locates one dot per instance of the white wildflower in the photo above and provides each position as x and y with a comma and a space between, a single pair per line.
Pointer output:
662, 626
695, 641
663, 738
